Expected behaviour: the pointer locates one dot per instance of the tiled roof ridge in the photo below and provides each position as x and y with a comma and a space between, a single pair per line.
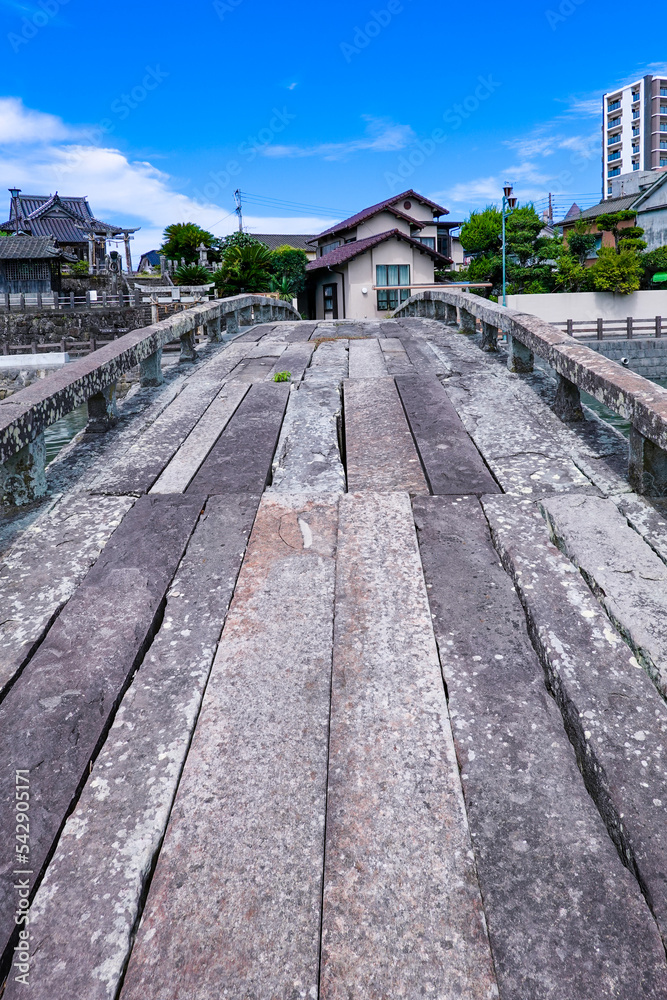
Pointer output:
366, 213
350, 250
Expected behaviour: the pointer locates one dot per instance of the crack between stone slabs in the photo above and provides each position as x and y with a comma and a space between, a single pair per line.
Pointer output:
6, 957
456, 756
592, 772
644, 538
474, 443
414, 441
49, 624
143, 896
643, 657
326, 790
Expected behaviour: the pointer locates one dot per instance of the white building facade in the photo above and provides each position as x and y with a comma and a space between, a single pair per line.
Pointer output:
634, 133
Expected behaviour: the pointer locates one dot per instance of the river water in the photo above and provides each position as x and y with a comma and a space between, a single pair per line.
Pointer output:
62, 432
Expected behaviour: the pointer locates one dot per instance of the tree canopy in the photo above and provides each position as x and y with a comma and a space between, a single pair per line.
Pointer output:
180, 240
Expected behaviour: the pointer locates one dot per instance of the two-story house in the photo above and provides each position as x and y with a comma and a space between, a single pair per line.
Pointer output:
368, 264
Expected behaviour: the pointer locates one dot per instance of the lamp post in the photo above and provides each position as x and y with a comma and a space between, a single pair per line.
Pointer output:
509, 204
15, 192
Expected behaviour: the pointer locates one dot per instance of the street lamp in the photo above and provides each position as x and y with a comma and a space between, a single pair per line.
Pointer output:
14, 193
509, 204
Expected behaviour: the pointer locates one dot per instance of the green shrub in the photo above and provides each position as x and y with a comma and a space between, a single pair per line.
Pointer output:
192, 274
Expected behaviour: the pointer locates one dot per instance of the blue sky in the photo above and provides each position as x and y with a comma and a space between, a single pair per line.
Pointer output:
159, 111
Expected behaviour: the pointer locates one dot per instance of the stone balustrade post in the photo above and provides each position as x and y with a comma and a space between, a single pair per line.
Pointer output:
23, 476
450, 314
647, 466
245, 316
231, 324
520, 358
467, 321
264, 314
214, 328
567, 404
102, 412
150, 369
427, 309
188, 345
489, 337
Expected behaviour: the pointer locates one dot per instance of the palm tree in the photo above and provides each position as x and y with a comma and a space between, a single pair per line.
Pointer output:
245, 269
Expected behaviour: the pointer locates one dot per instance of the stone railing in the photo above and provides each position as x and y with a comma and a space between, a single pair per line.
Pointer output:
633, 397
26, 414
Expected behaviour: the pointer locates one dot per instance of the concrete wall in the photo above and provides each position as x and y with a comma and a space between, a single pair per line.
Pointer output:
646, 357
558, 307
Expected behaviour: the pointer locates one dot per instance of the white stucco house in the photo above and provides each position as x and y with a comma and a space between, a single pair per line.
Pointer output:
368, 264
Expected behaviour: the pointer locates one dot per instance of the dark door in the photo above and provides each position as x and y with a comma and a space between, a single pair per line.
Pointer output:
330, 301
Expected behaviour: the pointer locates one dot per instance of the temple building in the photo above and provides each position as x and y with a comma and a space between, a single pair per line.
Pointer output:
70, 223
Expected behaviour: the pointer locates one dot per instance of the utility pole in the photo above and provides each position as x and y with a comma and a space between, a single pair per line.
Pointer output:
239, 209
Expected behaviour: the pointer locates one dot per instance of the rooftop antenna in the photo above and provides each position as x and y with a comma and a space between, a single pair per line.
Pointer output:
239, 208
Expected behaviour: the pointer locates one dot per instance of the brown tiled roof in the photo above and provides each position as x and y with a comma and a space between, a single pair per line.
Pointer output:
382, 206
611, 205
341, 255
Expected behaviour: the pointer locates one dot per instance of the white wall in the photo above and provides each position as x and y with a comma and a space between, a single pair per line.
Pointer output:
381, 223
558, 307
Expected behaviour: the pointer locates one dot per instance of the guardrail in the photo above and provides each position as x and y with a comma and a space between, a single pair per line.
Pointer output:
20, 302
25, 415
612, 329
633, 397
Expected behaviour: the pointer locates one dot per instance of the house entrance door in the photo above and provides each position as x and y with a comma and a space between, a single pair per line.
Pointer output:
330, 301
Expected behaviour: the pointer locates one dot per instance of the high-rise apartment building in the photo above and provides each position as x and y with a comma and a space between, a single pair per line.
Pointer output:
634, 133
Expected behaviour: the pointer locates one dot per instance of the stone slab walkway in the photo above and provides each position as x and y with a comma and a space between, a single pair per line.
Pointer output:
349, 687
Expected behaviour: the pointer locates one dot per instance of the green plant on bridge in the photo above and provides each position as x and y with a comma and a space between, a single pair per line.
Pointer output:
282, 377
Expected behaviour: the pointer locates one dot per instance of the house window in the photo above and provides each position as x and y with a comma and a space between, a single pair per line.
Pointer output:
328, 247
389, 298
663, 109
616, 155
636, 113
25, 270
428, 241
614, 138
663, 91
663, 161
614, 105
613, 122
635, 131
609, 189
635, 96
614, 172
635, 165
663, 126
392, 274
663, 144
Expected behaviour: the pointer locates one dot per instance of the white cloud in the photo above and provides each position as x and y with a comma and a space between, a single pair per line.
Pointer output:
382, 136
38, 158
19, 125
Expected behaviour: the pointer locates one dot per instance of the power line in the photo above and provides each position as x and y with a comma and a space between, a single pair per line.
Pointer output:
291, 205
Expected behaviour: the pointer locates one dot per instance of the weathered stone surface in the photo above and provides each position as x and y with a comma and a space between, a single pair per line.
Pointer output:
647, 519
245, 843
253, 369
395, 357
139, 466
616, 721
307, 458
402, 914
43, 568
196, 446
52, 719
295, 360
624, 572
267, 348
86, 908
330, 361
366, 359
523, 447
240, 461
452, 463
381, 455
565, 918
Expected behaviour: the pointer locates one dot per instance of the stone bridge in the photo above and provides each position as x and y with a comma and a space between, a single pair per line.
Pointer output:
350, 686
